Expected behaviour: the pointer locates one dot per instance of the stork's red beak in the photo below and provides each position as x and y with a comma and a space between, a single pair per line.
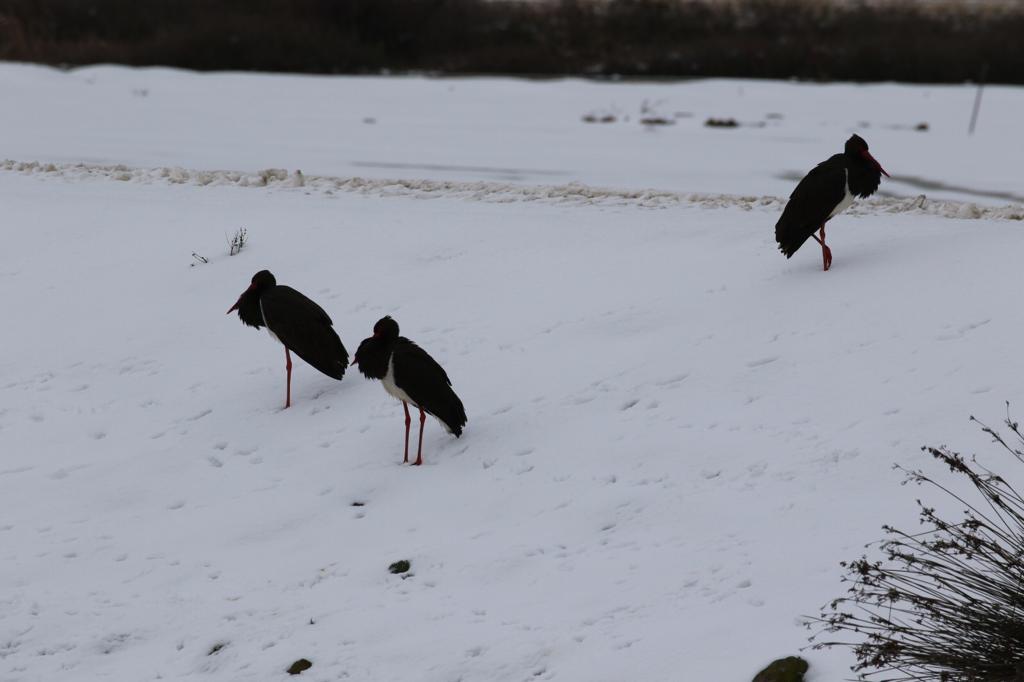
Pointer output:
239, 301
867, 155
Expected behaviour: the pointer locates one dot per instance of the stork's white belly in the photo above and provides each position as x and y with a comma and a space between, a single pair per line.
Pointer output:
390, 387
272, 334
847, 199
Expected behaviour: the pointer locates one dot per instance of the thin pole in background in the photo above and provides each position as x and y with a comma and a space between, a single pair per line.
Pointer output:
977, 98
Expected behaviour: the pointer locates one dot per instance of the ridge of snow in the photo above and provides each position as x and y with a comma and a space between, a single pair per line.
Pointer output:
489, 191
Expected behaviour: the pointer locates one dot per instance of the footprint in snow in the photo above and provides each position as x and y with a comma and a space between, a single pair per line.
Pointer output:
54, 650
672, 381
762, 361
111, 643
962, 331
132, 367
837, 456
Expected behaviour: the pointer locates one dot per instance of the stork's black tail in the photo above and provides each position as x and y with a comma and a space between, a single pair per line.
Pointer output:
791, 234
449, 411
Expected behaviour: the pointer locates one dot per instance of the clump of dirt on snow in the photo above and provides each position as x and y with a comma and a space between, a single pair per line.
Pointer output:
400, 567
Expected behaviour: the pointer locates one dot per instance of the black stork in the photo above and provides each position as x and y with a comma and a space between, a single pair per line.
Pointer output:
412, 376
826, 192
294, 320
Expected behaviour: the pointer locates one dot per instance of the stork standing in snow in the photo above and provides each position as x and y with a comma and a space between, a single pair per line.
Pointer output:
411, 375
825, 192
297, 322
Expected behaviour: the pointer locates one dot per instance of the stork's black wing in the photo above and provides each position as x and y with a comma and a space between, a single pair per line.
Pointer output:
810, 204
305, 329
426, 382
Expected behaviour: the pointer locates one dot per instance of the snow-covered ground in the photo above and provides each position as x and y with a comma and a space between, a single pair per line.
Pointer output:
674, 433
514, 130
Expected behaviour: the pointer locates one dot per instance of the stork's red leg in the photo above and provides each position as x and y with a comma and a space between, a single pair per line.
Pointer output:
826, 253
419, 451
288, 367
408, 421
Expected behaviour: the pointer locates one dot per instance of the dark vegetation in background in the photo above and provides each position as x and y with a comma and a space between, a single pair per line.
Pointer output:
677, 38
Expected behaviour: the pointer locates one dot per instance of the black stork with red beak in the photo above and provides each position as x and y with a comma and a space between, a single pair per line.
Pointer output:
824, 193
412, 376
294, 320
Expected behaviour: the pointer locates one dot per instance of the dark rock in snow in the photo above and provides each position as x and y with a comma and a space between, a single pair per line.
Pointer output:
789, 669
298, 666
